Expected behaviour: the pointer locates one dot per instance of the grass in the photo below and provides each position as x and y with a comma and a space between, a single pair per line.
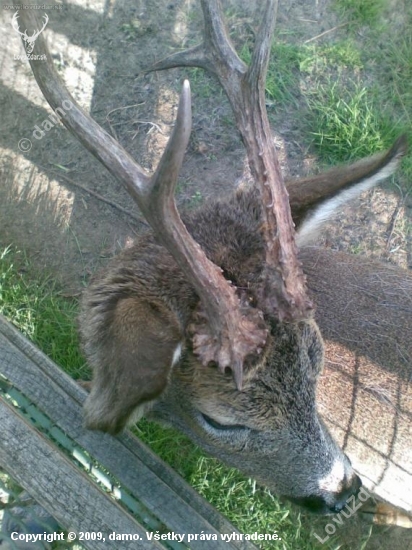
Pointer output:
39, 311
344, 123
349, 92
362, 108
352, 90
360, 12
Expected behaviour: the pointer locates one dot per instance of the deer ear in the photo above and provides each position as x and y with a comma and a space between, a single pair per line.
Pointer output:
314, 200
134, 363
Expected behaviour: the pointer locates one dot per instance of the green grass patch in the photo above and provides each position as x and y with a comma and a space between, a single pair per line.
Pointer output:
321, 59
356, 111
40, 312
390, 59
360, 12
345, 122
290, 63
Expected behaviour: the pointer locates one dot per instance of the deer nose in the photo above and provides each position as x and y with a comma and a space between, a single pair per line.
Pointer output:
331, 502
342, 498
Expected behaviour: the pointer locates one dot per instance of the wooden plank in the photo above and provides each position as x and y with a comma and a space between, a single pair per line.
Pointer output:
155, 484
61, 488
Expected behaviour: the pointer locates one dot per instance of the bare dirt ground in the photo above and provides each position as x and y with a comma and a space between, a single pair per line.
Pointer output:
101, 50
102, 54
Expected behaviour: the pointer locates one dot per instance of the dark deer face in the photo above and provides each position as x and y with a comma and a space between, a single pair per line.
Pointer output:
271, 429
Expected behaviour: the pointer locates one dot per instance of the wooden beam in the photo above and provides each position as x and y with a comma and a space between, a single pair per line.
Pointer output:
57, 485
152, 482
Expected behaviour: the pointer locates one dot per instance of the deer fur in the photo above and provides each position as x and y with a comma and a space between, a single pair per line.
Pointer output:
273, 421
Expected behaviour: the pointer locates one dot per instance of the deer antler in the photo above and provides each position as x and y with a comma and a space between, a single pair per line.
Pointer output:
233, 332
36, 34
15, 24
283, 288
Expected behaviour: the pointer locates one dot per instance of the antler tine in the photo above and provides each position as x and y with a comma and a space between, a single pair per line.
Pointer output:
261, 52
165, 178
232, 333
283, 284
216, 54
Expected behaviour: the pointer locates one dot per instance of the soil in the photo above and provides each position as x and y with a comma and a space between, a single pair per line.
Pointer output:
102, 50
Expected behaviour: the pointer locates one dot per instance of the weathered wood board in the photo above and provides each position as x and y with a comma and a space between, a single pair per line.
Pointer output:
70, 495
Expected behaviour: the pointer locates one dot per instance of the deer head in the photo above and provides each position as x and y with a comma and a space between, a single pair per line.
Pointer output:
222, 290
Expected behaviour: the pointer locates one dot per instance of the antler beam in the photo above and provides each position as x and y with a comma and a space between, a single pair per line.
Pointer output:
284, 288
232, 332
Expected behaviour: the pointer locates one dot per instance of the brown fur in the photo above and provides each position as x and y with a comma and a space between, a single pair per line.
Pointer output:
135, 315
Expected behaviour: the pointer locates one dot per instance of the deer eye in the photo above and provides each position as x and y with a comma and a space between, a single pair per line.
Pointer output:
222, 427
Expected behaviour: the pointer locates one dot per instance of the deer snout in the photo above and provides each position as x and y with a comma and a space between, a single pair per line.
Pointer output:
339, 485
343, 496
331, 503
